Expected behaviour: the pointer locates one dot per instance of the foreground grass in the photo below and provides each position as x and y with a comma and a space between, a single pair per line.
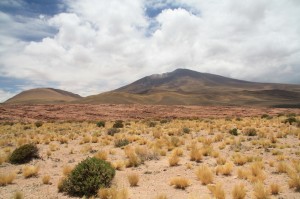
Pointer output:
188, 155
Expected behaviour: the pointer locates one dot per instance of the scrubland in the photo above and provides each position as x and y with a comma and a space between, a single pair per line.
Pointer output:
249, 157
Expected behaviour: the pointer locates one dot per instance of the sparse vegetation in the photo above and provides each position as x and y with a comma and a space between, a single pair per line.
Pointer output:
145, 154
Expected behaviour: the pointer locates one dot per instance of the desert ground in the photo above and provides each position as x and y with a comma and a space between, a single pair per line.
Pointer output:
169, 151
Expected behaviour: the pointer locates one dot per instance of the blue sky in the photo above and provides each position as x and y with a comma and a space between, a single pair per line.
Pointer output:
88, 47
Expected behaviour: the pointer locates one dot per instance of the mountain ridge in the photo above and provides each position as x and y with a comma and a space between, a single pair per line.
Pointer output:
188, 87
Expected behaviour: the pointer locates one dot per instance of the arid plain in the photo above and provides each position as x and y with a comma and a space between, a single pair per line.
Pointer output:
158, 152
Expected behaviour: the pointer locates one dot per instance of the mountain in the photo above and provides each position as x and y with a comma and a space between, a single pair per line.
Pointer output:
43, 96
187, 87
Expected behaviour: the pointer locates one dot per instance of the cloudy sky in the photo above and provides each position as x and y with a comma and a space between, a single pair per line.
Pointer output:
92, 46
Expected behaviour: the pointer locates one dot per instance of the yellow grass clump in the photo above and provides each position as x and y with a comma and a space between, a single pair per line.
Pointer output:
119, 165
225, 169
294, 182
180, 182
260, 192
161, 196
18, 195
46, 179
217, 191
102, 155
238, 191
204, 174
274, 189
67, 170
195, 154
30, 171
173, 160
7, 178
113, 193
133, 179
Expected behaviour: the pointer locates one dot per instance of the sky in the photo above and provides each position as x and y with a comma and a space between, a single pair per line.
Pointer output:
92, 46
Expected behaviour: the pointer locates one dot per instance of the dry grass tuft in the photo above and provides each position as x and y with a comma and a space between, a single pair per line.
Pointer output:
102, 155
260, 192
161, 196
173, 160
238, 192
18, 195
217, 191
30, 171
205, 174
67, 170
274, 189
225, 169
180, 182
6, 179
46, 179
294, 181
119, 165
113, 193
133, 179
196, 154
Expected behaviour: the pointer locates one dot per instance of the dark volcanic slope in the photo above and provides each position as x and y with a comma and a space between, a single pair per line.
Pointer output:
187, 87
42, 96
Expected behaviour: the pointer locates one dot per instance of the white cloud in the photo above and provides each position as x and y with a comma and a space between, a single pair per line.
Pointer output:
101, 45
4, 95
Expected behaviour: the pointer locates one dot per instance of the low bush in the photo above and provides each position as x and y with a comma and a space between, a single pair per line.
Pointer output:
118, 124
38, 124
250, 132
152, 124
290, 120
87, 177
24, 154
101, 124
233, 132
186, 130
112, 131
121, 142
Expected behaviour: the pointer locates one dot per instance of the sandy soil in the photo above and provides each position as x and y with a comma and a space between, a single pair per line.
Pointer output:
80, 112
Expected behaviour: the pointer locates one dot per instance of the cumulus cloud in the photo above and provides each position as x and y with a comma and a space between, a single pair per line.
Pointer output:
102, 45
4, 95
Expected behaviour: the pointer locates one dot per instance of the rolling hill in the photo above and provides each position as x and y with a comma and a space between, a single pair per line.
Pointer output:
187, 87
43, 96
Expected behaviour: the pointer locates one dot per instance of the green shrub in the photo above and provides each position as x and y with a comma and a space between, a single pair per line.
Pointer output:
233, 132
87, 177
101, 124
118, 124
290, 120
112, 131
121, 142
186, 130
24, 154
38, 124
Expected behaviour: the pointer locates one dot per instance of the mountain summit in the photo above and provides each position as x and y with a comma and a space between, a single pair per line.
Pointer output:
188, 87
